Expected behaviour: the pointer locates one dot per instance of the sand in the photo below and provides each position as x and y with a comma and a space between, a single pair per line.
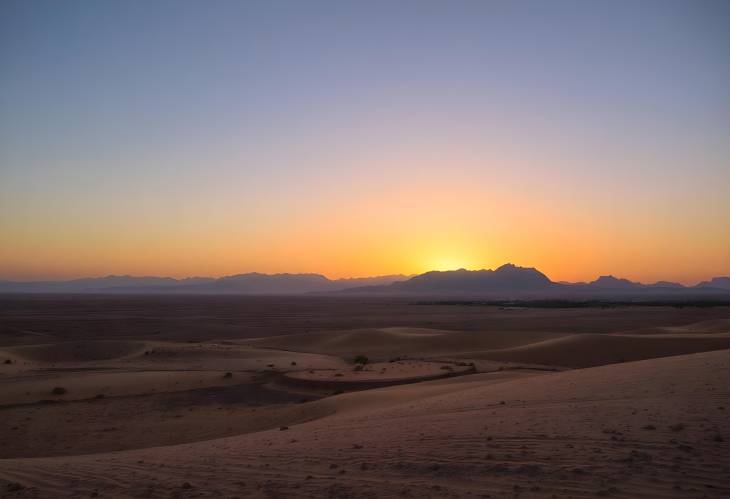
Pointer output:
579, 433
641, 409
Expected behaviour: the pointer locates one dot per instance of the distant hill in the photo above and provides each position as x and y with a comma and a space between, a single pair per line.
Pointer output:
611, 282
86, 285
275, 284
506, 279
249, 284
716, 283
666, 284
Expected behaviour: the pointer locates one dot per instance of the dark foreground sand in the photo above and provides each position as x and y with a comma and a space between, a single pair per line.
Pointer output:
632, 403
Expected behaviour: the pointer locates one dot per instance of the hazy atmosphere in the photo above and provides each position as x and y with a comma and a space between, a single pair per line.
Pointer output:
364, 138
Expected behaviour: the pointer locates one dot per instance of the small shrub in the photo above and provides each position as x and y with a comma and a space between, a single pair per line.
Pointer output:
361, 359
59, 390
8, 361
228, 375
677, 427
14, 487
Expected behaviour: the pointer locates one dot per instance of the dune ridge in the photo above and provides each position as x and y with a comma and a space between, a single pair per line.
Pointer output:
537, 348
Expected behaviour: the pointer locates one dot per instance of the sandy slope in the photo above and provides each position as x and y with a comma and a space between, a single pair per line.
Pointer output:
124, 395
168, 355
79, 351
538, 348
387, 343
703, 327
588, 350
654, 428
116, 368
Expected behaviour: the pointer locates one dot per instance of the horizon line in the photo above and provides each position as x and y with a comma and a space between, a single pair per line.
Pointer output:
406, 276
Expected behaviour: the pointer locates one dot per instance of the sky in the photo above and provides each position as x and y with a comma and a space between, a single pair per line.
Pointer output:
347, 138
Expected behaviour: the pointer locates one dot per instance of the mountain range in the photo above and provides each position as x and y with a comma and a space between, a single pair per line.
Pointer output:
252, 283
507, 281
511, 281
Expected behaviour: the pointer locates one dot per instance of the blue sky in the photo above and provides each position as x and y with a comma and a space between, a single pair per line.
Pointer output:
149, 126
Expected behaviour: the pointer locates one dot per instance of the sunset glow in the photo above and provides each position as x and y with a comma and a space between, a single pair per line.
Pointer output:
415, 144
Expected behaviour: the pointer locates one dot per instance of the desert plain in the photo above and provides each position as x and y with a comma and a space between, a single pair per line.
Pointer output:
309, 396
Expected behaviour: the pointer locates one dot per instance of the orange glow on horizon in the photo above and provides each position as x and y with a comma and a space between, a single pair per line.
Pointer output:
423, 219
405, 231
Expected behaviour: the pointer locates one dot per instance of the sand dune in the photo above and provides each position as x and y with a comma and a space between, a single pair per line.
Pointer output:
585, 433
90, 384
702, 327
375, 375
588, 350
229, 356
235, 417
387, 343
549, 349
76, 351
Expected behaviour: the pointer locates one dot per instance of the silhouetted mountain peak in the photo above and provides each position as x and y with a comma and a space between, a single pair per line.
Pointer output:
666, 284
609, 281
507, 278
722, 282
255, 276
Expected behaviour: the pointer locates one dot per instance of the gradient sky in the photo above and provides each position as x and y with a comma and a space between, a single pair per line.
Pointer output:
360, 138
